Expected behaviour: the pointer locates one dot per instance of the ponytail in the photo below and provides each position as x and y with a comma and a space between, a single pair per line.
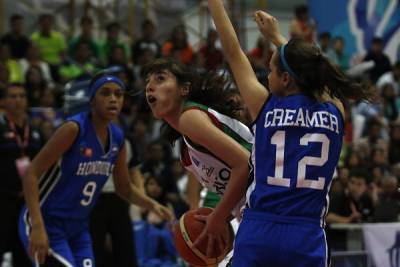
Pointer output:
315, 73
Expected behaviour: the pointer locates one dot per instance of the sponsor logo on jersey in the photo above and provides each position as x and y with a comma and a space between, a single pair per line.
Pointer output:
208, 171
196, 161
86, 152
95, 168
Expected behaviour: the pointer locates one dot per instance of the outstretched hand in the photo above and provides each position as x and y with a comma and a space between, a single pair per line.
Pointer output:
212, 232
269, 27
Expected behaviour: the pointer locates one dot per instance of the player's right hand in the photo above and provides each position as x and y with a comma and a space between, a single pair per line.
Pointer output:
38, 244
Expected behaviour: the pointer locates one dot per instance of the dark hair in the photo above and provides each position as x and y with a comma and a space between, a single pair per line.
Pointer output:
359, 173
173, 38
147, 22
300, 10
323, 35
207, 88
44, 16
86, 19
15, 17
377, 40
315, 73
113, 25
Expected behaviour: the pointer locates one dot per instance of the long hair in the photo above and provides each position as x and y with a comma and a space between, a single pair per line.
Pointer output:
316, 73
207, 88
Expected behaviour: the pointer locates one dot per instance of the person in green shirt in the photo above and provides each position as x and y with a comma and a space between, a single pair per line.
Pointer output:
80, 67
51, 44
85, 35
113, 39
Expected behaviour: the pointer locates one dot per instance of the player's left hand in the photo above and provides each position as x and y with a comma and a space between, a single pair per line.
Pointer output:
163, 211
213, 233
268, 26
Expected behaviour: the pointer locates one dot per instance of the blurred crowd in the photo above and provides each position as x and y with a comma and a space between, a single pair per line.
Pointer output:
365, 188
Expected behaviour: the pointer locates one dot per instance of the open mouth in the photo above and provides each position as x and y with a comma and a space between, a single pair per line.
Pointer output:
114, 109
151, 99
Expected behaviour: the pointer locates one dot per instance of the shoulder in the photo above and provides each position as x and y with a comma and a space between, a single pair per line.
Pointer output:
193, 116
71, 127
117, 134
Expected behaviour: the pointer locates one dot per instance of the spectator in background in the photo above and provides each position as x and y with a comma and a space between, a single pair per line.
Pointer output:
390, 102
19, 143
157, 164
86, 35
373, 139
33, 60
177, 46
324, 42
110, 216
15, 39
113, 38
81, 67
260, 57
157, 247
51, 44
14, 70
35, 85
146, 41
4, 77
353, 160
381, 60
394, 143
387, 201
392, 77
211, 57
302, 25
353, 205
338, 55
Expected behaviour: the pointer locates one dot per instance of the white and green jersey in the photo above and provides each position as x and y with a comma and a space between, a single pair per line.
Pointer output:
212, 172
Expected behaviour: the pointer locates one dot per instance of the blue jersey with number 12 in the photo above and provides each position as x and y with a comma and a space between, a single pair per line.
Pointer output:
70, 187
296, 150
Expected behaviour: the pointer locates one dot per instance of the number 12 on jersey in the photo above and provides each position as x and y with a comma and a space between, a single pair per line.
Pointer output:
278, 139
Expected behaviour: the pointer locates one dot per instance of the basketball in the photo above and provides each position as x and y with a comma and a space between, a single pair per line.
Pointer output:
185, 234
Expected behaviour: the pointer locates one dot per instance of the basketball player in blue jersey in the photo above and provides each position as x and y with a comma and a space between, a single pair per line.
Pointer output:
73, 167
298, 127
215, 145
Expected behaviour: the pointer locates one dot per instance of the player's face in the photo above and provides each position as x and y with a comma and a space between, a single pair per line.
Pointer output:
16, 101
163, 94
108, 100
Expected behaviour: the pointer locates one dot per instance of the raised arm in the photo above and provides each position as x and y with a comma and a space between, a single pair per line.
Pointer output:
254, 93
269, 28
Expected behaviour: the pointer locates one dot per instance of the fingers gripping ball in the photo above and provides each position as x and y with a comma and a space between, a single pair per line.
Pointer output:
185, 234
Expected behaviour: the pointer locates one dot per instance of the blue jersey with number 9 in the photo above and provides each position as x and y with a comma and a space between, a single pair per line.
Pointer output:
296, 150
70, 187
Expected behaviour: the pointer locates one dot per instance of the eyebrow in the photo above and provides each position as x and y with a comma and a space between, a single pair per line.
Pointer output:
155, 73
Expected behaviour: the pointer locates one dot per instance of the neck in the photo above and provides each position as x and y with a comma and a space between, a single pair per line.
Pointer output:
99, 124
18, 118
292, 90
173, 118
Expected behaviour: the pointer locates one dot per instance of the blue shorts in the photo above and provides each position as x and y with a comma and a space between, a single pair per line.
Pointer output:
268, 241
69, 240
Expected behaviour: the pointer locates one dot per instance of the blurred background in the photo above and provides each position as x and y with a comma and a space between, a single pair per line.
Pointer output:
52, 48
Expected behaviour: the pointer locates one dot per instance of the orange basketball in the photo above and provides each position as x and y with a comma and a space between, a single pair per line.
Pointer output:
185, 234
